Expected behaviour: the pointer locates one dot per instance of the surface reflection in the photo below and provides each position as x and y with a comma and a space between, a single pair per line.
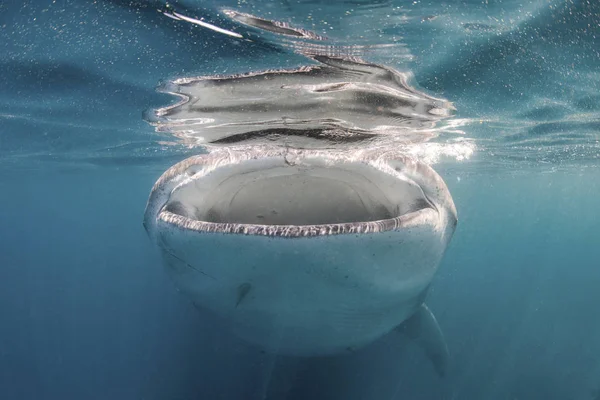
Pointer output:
337, 101
278, 27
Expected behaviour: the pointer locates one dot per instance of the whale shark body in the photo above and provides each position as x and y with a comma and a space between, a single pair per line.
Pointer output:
306, 252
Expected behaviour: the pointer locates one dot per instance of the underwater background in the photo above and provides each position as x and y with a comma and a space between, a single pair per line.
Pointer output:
86, 308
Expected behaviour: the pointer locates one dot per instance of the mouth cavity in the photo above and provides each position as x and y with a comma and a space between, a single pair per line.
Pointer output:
274, 192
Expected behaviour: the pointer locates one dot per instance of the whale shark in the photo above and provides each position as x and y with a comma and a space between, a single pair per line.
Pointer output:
306, 252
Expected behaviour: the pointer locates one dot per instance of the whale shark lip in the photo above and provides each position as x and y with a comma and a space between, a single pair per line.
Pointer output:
287, 193
291, 231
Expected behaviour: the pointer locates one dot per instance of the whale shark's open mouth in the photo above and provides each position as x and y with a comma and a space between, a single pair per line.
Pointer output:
291, 194
272, 192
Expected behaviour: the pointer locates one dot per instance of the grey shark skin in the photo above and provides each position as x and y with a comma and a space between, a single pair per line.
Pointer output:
306, 252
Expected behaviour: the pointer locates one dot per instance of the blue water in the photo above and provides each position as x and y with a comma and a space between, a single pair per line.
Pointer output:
86, 309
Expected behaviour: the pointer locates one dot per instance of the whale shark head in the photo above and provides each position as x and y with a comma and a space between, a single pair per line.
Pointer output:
303, 252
